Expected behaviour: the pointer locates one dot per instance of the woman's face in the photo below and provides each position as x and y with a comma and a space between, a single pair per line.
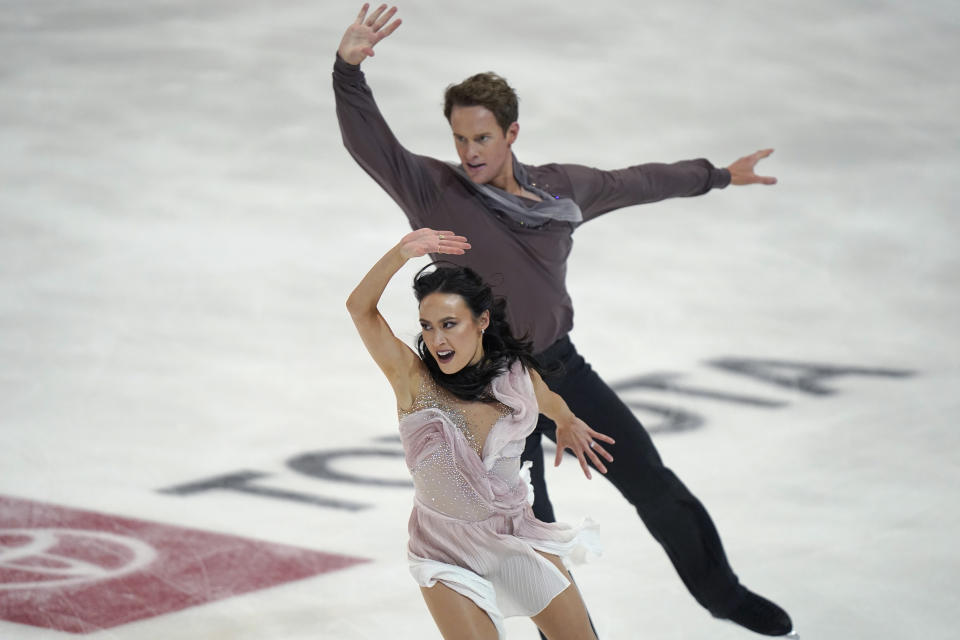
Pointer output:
450, 331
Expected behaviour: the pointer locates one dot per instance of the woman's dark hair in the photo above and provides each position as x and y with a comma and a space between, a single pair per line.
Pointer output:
500, 347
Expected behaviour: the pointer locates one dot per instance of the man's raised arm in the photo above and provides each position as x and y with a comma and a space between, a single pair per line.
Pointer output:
366, 135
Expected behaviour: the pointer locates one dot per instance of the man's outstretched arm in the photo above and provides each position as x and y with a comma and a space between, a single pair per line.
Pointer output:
598, 191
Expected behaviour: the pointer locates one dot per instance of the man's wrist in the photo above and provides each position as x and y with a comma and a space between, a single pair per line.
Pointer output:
346, 63
720, 178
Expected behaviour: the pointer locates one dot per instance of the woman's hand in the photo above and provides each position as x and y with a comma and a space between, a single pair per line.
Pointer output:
364, 33
574, 434
423, 241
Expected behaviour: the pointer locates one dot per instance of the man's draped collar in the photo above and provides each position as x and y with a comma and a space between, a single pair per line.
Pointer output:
517, 209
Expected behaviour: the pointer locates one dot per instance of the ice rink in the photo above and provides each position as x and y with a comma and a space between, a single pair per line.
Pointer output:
195, 445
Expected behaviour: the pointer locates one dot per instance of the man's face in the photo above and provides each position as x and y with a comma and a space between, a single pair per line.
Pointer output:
483, 147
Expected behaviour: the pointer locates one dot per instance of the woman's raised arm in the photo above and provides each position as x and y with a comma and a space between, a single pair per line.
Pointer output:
397, 361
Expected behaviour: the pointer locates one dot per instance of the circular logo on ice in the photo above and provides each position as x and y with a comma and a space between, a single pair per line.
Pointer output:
47, 558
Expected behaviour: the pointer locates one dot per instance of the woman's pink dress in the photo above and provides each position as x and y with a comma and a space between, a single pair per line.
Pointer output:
472, 527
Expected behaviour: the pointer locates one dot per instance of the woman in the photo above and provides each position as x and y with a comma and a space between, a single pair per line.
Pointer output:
466, 403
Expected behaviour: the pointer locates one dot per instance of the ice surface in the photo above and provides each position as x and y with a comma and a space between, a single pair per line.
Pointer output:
180, 226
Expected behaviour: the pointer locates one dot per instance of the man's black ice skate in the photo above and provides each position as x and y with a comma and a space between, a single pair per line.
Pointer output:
762, 616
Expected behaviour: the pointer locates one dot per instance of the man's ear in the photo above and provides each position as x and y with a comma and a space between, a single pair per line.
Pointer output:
512, 132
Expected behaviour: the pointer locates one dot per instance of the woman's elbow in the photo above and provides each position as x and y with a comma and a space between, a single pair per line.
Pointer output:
359, 309
353, 305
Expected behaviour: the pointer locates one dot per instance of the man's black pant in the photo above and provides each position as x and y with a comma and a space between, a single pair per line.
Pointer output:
673, 515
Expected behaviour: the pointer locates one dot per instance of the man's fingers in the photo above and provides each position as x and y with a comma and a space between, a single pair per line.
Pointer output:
363, 13
556, 461
756, 156
384, 19
393, 27
376, 14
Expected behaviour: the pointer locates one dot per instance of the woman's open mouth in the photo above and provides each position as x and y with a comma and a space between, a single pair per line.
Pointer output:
445, 356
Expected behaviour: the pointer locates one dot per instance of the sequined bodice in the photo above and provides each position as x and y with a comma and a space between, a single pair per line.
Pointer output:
444, 439
473, 419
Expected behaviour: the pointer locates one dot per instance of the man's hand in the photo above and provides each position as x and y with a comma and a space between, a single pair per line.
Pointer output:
362, 35
742, 172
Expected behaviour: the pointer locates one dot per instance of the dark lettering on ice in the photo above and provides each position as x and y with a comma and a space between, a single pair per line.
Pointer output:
808, 378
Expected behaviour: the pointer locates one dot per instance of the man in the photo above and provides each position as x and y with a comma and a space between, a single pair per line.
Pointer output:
520, 221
